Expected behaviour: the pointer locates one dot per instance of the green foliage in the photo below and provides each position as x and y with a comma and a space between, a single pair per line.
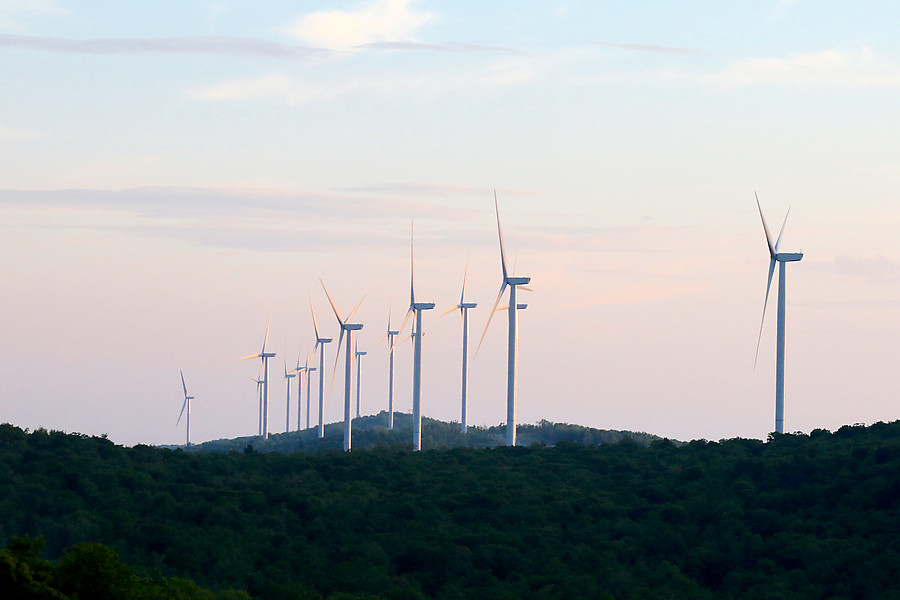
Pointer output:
800, 516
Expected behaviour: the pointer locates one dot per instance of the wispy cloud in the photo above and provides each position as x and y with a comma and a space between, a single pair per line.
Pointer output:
830, 68
378, 21
651, 48
436, 190
223, 45
876, 270
454, 47
9, 134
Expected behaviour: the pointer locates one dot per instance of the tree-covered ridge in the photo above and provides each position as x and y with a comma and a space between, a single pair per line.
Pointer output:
371, 431
800, 516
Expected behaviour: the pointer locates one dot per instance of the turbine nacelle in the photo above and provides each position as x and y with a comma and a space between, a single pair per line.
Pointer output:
324, 340
788, 256
421, 306
518, 280
352, 326
467, 305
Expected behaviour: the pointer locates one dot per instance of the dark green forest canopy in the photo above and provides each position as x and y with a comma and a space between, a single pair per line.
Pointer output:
800, 516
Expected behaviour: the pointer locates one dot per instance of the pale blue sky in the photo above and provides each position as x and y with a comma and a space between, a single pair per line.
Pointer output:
172, 172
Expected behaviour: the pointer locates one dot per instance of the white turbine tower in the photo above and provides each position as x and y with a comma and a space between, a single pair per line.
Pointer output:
187, 406
463, 308
359, 356
287, 417
265, 356
390, 335
512, 355
417, 308
320, 342
349, 328
302, 370
781, 258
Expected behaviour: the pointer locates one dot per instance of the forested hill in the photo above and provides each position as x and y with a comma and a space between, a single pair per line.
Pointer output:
800, 516
372, 431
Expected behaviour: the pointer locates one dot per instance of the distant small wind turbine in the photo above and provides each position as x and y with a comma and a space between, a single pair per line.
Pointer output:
320, 343
349, 328
265, 356
513, 345
259, 396
417, 308
359, 356
287, 417
390, 335
463, 308
185, 406
781, 258
309, 371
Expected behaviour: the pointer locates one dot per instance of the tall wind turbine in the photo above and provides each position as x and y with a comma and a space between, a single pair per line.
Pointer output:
359, 356
781, 258
186, 405
417, 308
300, 370
512, 355
463, 308
309, 371
390, 335
287, 417
259, 396
320, 342
265, 356
349, 328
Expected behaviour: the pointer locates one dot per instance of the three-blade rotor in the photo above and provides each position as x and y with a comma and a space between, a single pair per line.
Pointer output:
773, 258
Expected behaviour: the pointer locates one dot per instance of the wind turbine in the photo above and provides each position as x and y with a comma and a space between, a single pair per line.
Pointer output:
463, 308
512, 355
186, 405
781, 258
359, 356
417, 308
259, 383
265, 356
300, 370
287, 417
320, 342
349, 328
309, 371
390, 335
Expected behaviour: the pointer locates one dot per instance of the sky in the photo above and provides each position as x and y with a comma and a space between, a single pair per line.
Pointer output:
172, 174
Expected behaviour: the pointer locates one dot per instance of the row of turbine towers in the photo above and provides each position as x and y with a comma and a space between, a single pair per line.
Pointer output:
415, 309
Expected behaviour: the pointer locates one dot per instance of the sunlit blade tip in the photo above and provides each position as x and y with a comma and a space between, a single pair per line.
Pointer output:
337, 314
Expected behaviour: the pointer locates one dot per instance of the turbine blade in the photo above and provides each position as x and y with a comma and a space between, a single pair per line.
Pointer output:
356, 308
333, 307
183, 406
337, 360
449, 310
182, 383
249, 356
266, 339
462, 295
382, 338
406, 318
490, 316
412, 268
500, 235
765, 304
315, 323
527, 289
765, 227
780, 233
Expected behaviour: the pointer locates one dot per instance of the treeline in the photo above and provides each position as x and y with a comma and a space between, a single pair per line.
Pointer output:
372, 432
800, 516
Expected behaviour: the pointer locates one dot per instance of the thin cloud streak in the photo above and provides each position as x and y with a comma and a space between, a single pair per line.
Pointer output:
651, 48
380, 21
221, 45
453, 47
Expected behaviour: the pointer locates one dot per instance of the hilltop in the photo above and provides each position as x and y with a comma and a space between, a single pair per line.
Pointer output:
798, 516
372, 432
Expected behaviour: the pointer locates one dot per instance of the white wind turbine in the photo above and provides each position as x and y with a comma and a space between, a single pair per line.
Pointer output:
259, 396
309, 371
359, 356
187, 406
287, 417
512, 355
320, 342
417, 308
349, 328
390, 335
463, 308
301, 370
265, 356
781, 258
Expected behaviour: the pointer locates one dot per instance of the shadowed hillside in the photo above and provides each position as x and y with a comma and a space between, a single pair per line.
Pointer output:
800, 516
372, 431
